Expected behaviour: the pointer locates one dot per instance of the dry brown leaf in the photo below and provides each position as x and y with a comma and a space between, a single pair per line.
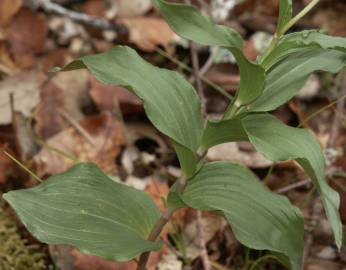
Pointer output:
108, 138
157, 191
8, 66
48, 119
90, 262
148, 33
75, 86
27, 34
332, 19
55, 58
5, 164
232, 152
225, 75
109, 97
8, 8
25, 88
126, 8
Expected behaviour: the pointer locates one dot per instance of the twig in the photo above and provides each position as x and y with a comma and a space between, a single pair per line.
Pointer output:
195, 69
293, 186
189, 69
78, 127
82, 18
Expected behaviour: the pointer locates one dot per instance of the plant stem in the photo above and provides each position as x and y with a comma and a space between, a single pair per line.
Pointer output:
292, 22
300, 15
160, 224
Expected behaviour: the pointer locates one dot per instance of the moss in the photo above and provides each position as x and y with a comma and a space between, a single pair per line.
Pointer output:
15, 252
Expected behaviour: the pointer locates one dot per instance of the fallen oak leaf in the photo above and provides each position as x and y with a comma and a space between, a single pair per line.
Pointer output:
148, 33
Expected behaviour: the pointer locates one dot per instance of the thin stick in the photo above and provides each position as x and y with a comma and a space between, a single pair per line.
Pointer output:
23, 166
189, 69
195, 71
307, 119
82, 18
78, 127
293, 186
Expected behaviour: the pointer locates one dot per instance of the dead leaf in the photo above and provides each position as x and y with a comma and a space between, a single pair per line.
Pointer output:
107, 135
148, 33
158, 191
225, 75
90, 262
210, 225
126, 8
56, 58
75, 86
48, 119
8, 8
5, 164
109, 97
332, 19
8, 66
27, 34
25, 87
233, 152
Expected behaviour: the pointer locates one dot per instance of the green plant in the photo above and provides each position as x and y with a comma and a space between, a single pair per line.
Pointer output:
84, 208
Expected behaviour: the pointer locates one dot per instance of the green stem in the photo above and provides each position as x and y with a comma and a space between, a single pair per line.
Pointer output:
292, 22
300, 15
232, 110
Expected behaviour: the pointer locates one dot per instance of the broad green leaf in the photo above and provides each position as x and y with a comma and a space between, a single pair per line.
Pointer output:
285, 15
187, 22
279, 142
218, 132
84, 208
259, 218
170, 102
298, 41
287, 77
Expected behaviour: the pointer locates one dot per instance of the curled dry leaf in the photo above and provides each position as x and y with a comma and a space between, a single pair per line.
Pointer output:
27, 34
8, 8
108, 138
25, 88
148, 33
